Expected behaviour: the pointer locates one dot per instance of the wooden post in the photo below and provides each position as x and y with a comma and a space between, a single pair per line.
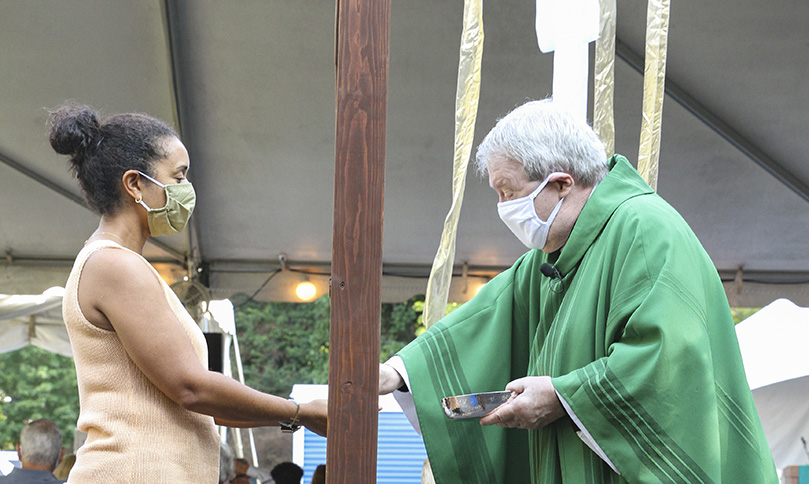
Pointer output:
359, 177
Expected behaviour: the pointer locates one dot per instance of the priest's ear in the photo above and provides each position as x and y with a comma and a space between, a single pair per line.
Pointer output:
563, 183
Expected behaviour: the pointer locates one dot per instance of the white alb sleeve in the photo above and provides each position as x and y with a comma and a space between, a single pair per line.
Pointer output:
585, 436
405, 399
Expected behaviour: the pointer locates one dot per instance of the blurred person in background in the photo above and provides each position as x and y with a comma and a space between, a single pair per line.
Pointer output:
40, 449
287, 473
62, 471
319, 476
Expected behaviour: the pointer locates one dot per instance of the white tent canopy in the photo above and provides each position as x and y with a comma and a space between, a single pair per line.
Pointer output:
773, 343
35, 320
250, 85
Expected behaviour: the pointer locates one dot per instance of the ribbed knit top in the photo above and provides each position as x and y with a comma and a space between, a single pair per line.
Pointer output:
135, 434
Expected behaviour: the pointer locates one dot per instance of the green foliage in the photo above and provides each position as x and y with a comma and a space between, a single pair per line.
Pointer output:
400, 324
35, 383
287, 343
283, 344
740, 314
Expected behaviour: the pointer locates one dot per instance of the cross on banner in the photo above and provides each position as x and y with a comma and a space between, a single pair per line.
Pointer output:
566, 28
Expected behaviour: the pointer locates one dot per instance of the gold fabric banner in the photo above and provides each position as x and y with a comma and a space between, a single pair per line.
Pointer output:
604, 78
654, 80
466, 110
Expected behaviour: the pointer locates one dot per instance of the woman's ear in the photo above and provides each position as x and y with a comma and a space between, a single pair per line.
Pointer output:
131, 183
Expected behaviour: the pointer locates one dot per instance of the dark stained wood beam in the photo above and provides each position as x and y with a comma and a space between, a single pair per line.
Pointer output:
361, 83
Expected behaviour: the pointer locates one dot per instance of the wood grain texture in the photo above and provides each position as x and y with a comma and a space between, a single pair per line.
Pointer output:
361, 92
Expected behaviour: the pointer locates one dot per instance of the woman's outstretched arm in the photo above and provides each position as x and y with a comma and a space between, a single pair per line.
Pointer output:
120, 291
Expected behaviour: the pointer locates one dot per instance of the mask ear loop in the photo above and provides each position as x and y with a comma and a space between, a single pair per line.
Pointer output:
552, 216
152, 179
531, 196
139, 199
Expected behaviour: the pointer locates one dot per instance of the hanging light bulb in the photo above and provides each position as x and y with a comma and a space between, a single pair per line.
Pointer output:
305, 290
477, 290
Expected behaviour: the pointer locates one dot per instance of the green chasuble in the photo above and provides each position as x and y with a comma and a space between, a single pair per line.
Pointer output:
639, 341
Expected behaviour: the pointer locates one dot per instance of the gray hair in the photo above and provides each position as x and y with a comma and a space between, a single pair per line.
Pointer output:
545, 138
41, 443
226, 467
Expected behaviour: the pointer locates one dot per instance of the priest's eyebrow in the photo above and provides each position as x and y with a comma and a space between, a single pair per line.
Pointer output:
502, 181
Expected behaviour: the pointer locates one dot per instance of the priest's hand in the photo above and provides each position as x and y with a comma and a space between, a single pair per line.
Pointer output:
389, 379
533, 405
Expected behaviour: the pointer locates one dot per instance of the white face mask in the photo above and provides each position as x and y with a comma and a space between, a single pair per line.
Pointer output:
521, 217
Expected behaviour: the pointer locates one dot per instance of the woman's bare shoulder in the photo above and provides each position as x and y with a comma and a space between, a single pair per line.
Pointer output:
113, 270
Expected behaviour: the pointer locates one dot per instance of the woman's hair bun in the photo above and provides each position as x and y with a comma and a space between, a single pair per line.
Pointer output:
73, 130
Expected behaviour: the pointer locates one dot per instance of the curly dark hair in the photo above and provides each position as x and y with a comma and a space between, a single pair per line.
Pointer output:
102, 150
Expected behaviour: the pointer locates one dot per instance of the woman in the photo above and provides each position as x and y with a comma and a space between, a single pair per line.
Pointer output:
148, 402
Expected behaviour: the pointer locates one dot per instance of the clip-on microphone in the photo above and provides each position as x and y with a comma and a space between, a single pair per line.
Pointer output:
555, 284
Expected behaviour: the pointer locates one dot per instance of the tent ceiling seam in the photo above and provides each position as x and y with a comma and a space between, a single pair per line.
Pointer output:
718, 125
173, 69
168, 13
42, 180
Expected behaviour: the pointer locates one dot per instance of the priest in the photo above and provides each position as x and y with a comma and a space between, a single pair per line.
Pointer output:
613, 332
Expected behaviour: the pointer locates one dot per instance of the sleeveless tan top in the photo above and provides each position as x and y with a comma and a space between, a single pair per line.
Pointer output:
135, 434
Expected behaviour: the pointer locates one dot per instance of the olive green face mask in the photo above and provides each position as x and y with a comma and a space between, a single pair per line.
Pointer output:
173, 217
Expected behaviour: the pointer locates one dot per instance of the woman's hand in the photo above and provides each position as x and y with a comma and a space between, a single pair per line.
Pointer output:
314, 416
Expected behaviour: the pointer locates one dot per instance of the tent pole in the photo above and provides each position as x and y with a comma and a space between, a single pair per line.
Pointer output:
32, 327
